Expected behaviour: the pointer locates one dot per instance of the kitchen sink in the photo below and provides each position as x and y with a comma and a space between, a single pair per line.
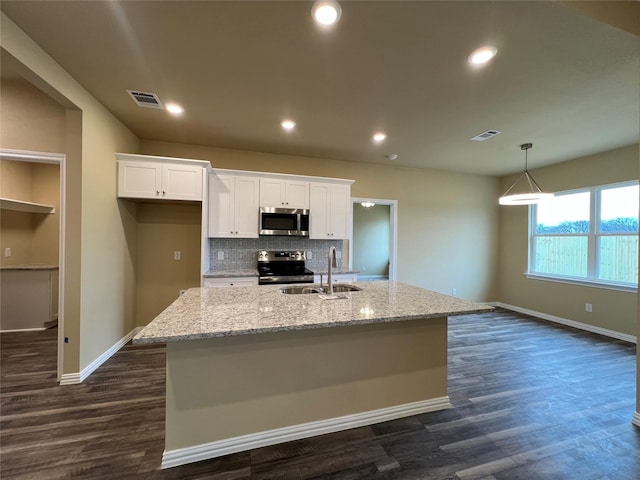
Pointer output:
337, 288
345, 287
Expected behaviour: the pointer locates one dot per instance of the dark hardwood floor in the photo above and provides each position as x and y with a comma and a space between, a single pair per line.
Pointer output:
531, 400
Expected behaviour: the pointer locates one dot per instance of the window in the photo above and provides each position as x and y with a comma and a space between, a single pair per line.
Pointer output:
587, 235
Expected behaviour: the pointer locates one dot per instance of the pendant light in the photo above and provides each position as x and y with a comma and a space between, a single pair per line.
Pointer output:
525, 190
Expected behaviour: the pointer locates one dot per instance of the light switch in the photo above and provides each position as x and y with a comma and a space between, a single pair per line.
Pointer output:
7, 252
177, 255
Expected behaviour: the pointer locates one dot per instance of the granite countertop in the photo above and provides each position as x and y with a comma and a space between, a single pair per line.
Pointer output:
220, 312
246, 272
29, 267
334, 271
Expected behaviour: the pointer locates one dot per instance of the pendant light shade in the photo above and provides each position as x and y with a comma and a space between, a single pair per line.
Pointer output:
525, 190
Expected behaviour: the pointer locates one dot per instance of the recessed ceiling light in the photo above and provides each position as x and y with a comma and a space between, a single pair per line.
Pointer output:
482, 55
174, 109
326, 12
288, 124
392, 156
379, 136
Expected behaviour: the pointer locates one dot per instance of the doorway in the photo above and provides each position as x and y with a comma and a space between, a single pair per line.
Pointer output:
48, 174
374, 234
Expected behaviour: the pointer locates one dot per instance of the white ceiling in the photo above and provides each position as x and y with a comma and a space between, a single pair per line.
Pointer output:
561, 79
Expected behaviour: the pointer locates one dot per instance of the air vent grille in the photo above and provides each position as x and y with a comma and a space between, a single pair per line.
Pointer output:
481, 137
145, 99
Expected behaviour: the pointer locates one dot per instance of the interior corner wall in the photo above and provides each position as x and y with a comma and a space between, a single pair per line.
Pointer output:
613, 310
99, 263
447, 222
162, 230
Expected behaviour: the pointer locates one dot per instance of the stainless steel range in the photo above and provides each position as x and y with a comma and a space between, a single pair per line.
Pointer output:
278, 266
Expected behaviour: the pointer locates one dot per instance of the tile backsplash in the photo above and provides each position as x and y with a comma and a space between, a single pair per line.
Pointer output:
241, 253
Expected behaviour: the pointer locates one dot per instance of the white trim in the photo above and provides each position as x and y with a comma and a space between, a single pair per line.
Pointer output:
205, 451
636, 419
393, 233
582, 282
571, 323
39, 329
28, 156
62, 264
136, 157
79, 377
281, 176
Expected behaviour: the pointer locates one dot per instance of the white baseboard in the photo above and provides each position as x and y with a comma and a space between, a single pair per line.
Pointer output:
636, 419
205, 451
79, 377
571, 323
40, 329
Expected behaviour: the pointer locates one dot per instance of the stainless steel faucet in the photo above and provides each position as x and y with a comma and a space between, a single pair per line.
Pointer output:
333, 261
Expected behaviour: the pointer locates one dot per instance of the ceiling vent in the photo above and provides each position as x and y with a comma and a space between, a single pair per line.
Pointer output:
481, 137
145, 99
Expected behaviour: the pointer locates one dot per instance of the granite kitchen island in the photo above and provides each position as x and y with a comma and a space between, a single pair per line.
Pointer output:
250, 366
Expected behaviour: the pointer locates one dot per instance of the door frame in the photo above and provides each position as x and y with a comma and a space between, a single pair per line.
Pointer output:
59, 159
393, 232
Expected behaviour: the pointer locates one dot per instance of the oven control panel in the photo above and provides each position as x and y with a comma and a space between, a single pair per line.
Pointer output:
281, 256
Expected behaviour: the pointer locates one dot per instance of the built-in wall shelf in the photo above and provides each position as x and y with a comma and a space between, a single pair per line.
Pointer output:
22, 206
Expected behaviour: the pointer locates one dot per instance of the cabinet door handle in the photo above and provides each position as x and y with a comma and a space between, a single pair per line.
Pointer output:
157, 192
163, 193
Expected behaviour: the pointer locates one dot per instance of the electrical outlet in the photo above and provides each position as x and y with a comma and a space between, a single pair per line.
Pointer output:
588, 307
177, 255
339, 255
454, 291
220, 255
363, 268
309, 255
7, 252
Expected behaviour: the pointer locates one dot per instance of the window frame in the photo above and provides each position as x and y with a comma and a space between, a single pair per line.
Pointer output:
593, 241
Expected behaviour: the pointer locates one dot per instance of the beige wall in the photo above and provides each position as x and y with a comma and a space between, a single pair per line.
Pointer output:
371, 239
33, 238
612, 310
447, 222
30, 119
162, 230
15, 227
100, 232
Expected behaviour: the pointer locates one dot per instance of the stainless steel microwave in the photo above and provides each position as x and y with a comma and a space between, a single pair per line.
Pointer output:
284, 221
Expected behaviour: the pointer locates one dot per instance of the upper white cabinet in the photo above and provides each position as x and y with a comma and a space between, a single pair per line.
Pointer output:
233, 205
280, 193
141, 176
329, 210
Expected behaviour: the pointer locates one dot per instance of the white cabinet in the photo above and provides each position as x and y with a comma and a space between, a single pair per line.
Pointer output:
174, 179
230, 281
279, 193
337, 278
233, 206
329, 210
